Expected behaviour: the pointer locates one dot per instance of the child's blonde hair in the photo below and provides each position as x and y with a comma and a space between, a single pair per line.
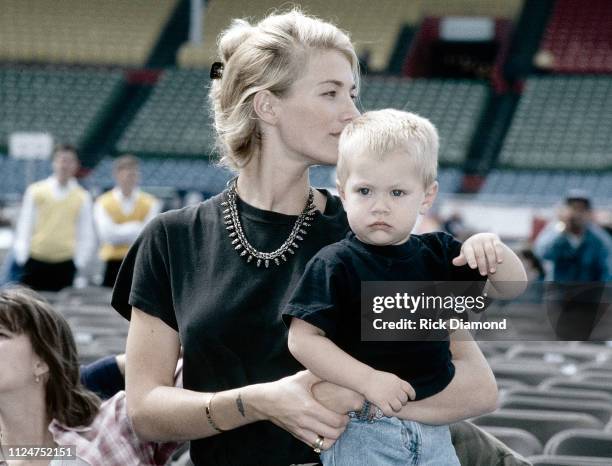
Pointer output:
383, 131
270, 55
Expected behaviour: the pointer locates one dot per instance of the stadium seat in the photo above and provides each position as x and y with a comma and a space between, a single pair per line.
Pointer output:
181, 174
560, 366
594, 376
577, 37
530, 374
553, 460
88, 296
604, 367
509, 384
374, 26
559, 353
561, 122
175, 119
558, 393
581, 442
599, 409
68, 104
77, 32
454, 106
507, 9
541, 423
98, 330
564, 382
519, 440
537, 186
16, 175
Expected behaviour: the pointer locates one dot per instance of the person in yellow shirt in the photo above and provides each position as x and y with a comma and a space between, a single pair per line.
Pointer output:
54, 235
120, 215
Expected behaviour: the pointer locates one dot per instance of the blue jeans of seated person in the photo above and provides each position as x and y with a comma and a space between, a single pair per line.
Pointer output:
389, 441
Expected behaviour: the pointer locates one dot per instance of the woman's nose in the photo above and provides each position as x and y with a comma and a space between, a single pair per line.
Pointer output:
351, 112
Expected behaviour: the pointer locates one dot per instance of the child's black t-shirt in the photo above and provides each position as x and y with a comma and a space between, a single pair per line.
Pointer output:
328, 297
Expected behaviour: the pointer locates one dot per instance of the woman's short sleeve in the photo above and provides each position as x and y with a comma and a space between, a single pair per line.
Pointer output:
144, 277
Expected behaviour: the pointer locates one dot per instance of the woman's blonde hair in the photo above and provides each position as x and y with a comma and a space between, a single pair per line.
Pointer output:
380, 132
267, 56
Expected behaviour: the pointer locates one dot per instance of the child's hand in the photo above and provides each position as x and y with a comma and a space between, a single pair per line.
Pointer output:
388, 392
483, 251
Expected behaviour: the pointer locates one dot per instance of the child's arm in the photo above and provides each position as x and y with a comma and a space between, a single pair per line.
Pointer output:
505, 271
323, 358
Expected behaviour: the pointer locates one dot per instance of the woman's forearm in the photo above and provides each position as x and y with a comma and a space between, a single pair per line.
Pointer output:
459, 400
177, 414
471, 392
158, 410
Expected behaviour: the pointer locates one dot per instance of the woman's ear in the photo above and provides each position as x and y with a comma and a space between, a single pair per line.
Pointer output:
40, 368
264, 104
430, 196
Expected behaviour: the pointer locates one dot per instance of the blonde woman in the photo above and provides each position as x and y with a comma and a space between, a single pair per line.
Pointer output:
215, 277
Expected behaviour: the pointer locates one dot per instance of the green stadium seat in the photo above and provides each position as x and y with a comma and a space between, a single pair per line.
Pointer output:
561, 122
174, 121
69, 104
454, 106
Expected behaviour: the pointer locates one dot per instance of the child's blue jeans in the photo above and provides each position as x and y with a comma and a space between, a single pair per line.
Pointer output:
389, 441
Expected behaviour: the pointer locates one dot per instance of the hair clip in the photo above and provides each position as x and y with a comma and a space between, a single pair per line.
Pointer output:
216, 70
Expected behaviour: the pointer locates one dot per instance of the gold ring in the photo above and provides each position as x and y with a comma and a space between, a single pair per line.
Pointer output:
318, 444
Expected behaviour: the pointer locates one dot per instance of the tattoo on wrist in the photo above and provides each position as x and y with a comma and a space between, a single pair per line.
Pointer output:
240, 405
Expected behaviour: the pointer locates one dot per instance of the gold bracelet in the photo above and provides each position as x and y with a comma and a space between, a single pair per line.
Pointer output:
209, 416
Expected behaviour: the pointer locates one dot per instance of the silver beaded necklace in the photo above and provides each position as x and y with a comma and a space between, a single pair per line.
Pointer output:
242, 245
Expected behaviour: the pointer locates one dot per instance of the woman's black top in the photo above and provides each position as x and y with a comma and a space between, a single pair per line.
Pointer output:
184, 270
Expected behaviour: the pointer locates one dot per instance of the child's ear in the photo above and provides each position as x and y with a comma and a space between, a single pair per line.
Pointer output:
430, 196
340, 189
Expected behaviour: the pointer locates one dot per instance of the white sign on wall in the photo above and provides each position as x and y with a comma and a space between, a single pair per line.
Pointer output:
457, 28
30, 145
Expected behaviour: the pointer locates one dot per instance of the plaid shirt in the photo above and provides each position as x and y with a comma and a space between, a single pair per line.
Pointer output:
110, 439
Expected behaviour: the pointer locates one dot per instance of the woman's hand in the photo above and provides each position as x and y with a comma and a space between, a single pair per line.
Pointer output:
289, 404
337, 398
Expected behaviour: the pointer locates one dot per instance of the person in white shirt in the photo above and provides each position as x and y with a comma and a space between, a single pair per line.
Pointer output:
54, 236
120, 215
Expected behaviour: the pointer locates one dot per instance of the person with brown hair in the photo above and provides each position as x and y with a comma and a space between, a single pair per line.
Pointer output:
215, 277
121, 214
42, 401
54, 236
